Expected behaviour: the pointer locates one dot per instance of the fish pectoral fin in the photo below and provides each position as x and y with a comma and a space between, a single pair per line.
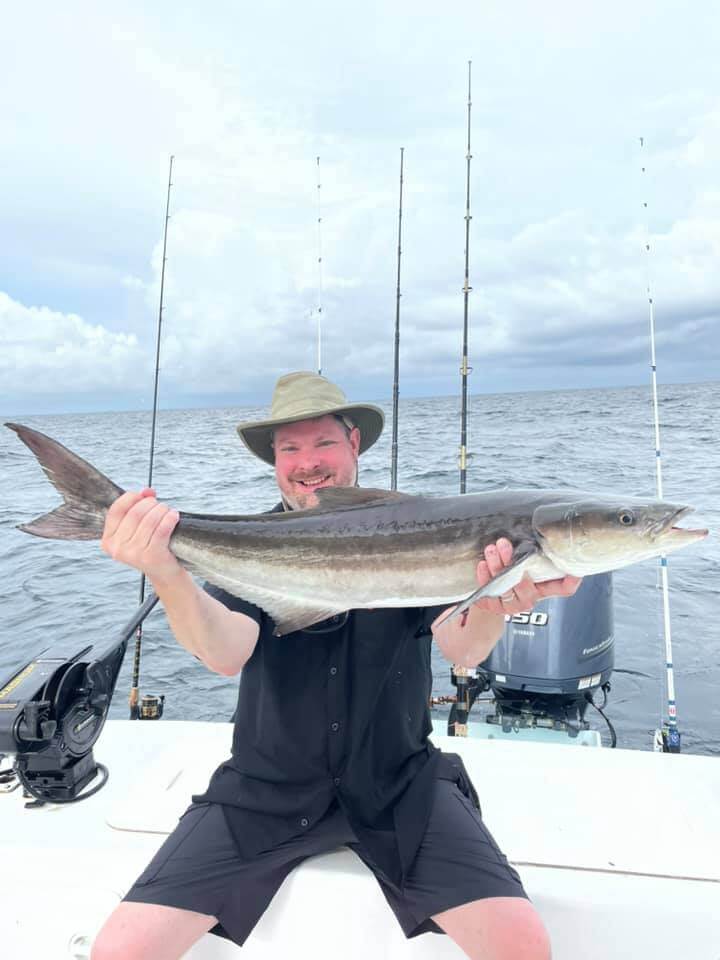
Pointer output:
527, 561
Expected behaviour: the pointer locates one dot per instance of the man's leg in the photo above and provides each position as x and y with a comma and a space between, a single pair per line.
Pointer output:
136, 931
197, 876
498, 928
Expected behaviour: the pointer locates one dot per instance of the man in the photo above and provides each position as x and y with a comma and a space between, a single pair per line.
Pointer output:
331, 731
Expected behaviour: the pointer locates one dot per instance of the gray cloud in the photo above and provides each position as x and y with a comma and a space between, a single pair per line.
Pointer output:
557, 260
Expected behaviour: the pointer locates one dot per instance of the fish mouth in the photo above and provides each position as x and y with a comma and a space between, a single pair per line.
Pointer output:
667, 529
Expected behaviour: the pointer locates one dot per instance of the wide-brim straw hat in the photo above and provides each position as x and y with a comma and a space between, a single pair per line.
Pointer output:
304, 396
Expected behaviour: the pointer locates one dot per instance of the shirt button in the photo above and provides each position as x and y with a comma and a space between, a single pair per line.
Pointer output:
333, 671
335, 726
336, 781
304, 822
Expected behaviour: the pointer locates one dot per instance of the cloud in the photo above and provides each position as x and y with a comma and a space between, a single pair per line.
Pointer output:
44, 351
703, 146
557, 260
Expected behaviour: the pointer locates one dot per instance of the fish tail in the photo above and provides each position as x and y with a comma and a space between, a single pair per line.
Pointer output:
86, 492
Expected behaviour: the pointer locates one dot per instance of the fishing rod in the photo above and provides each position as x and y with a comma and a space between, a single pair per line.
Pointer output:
464, 368
668, 737
133, 698
320, 274
460, 674
396, 377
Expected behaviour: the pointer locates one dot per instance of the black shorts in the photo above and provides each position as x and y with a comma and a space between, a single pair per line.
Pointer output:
198, 867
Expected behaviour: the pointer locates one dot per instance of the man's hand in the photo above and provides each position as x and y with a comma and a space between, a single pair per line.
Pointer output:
137, 532
468, 640
525, 594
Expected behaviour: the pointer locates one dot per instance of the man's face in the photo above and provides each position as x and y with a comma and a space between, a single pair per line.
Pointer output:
312, 454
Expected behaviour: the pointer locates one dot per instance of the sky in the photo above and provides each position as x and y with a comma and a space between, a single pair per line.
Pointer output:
96, 97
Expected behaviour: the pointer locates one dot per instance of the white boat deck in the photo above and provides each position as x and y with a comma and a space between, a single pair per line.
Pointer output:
618, 849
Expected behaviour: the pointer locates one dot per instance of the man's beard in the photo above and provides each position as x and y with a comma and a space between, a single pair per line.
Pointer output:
302, 499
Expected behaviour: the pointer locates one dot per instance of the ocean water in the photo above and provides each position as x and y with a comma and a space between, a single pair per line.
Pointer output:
70, 593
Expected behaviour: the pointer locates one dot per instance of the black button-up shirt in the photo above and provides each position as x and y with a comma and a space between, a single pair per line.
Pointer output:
335, 713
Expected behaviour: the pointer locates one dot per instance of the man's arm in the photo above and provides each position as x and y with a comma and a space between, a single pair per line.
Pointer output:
137, 532
468, 641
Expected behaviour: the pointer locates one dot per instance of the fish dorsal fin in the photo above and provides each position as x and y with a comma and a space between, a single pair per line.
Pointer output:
332, 498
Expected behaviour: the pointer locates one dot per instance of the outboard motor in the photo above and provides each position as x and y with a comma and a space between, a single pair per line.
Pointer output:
549, 662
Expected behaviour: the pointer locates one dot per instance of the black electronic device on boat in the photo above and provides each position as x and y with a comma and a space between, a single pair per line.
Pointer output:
52, 712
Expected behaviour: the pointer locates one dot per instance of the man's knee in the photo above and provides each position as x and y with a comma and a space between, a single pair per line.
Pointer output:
532, 941
136, 931
103, 949
109, 947
499, 928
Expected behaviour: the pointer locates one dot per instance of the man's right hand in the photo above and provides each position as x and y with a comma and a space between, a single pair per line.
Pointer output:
137, 532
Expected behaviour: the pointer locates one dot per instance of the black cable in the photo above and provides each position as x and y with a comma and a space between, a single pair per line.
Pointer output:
589, 698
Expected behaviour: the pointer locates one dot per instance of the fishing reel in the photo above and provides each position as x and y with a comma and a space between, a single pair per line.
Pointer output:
151, 707
52, 712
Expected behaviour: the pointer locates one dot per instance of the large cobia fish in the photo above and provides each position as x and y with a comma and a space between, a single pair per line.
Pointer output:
373, 548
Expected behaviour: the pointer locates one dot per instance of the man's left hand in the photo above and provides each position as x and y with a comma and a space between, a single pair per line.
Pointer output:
526, 593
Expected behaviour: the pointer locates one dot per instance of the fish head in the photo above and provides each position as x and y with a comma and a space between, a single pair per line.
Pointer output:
595, 535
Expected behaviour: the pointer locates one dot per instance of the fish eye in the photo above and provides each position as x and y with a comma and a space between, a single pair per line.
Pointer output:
626, 518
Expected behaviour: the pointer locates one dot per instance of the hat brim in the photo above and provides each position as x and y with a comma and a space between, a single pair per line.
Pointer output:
257, 435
